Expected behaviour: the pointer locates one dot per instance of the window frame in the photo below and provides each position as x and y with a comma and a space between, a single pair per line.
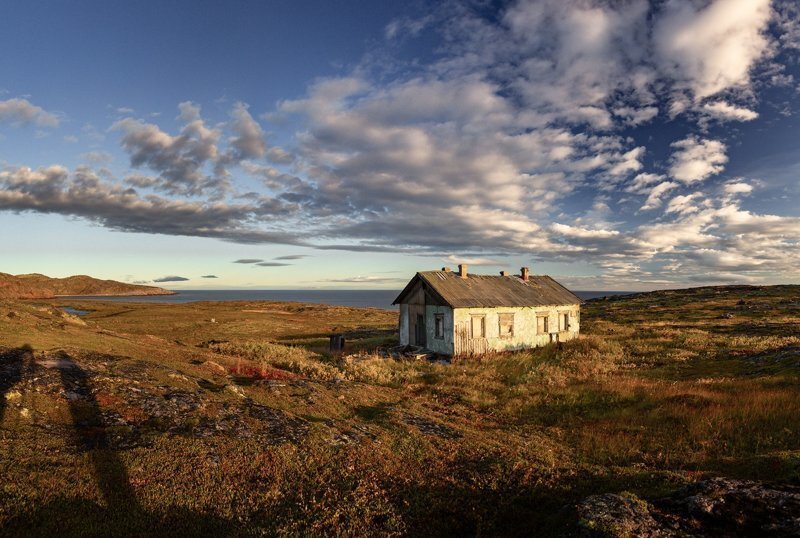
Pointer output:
438, 323
472, 318
546, 324
564, 318
500, 316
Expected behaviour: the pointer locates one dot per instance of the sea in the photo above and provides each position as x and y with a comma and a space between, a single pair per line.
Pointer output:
358, 298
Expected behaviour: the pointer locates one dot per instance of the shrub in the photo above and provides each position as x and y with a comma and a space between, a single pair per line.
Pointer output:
294, 359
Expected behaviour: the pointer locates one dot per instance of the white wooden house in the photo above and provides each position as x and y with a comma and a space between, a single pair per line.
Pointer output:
465, 314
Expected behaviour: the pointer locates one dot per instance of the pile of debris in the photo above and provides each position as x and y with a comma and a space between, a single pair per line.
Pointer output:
410, 352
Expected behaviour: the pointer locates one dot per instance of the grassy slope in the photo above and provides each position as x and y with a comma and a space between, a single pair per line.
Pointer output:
144, 435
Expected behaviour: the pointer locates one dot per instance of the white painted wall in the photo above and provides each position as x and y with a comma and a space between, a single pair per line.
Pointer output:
439, 345
525, 327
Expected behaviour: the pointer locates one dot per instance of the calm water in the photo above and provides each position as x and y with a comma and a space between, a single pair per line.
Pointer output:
360, 298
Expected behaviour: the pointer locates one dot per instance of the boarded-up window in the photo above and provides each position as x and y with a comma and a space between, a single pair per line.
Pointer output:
478, 327
564, 321
438, 324
506, 325
542, 325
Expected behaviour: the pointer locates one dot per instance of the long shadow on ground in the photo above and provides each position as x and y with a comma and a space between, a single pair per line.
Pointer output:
122, 514
12, 364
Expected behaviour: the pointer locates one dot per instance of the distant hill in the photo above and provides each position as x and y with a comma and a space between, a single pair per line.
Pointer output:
36, 286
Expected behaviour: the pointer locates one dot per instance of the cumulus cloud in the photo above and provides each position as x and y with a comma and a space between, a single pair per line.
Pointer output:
84, 193
738, 187
170, 279
23, 112
708, 47
684, 203
178, 159
247, 142
656, 194
696, 159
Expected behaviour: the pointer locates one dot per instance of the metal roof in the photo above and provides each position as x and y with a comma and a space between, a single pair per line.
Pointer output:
492, 291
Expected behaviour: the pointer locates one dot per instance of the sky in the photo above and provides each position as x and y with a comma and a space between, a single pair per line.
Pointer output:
614, 145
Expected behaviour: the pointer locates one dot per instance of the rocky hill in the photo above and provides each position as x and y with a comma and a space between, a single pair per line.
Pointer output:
36, 286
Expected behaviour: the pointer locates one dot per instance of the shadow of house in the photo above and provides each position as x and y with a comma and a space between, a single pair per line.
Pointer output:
13, 362
121, 513
90, 434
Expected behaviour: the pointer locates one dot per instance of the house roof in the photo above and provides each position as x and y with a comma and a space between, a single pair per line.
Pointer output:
490, 290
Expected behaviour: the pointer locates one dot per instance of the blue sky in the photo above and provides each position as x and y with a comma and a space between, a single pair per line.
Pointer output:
631, 145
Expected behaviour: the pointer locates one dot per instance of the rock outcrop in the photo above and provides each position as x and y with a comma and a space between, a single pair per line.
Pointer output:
715, 507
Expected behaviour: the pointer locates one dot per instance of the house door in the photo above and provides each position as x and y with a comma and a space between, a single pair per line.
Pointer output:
420, 335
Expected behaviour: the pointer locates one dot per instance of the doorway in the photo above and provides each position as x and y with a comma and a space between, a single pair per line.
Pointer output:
420, 334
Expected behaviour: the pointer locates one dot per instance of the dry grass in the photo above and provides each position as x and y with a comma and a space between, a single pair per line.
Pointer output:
294, 359
661, 389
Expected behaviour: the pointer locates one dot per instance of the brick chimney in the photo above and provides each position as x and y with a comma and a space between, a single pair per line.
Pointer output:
503, 273
462, 270
524, 273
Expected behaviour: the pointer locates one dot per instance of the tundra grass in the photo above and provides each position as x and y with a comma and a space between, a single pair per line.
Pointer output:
140, 419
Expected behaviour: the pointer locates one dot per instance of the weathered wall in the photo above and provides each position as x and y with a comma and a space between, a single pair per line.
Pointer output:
415, 307
439, 345
404, 324
525, 328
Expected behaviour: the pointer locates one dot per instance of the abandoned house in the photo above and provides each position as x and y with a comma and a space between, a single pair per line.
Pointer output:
464, 314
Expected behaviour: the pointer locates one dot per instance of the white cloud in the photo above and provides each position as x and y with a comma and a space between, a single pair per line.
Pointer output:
641, 183
636, 116
581, 233
684, 204
696, 159
484, 152
656, 193
22, 111
738, 187
471, 261
723, 111
708, 47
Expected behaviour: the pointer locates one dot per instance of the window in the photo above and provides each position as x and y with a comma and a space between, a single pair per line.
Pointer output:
506, 325
478, 326
542, 323
438, 325
564, 321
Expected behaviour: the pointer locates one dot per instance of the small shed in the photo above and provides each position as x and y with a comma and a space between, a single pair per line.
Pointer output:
457, 313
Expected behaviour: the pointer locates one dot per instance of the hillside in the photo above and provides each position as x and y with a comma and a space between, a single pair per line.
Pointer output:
233, 419
36, 286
